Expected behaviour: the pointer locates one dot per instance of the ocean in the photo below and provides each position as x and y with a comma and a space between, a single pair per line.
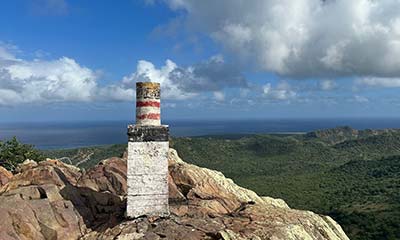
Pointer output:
57, 135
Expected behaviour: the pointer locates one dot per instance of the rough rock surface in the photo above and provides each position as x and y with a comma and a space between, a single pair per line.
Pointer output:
52, 200
108, 176
32, 205
5, 176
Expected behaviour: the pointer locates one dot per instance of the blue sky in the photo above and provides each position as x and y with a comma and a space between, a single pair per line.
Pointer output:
63, 60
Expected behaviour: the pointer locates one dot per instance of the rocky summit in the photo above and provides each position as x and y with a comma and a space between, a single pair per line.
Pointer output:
53, 200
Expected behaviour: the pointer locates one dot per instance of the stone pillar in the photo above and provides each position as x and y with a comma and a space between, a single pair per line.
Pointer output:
147, 156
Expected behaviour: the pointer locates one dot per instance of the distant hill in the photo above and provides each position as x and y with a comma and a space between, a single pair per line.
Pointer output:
352, 175
345, 133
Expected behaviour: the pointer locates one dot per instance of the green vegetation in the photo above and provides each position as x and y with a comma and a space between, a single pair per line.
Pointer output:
353, 176
12, 152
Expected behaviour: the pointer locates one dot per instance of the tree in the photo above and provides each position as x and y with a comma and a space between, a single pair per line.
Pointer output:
12, 153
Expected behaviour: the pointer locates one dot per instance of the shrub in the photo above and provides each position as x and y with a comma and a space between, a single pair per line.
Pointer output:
13, 152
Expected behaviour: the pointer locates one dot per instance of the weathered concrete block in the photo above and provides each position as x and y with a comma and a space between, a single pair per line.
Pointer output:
148, 200
146, 158
147, 206
148, 184
147, 178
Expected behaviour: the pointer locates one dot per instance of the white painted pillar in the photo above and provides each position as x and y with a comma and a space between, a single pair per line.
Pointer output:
147, 156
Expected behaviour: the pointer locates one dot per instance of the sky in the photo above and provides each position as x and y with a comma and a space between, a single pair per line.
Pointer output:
70, 60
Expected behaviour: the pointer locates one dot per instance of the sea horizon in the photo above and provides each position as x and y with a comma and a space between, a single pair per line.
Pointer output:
74, 134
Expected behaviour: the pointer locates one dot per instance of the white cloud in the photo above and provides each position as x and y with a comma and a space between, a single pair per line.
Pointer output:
147, 72
24, 81
5, 54
219, 96
379, 82
304, 38
281, 92
179, 82
213, 74
327, 85
64, 80
360, 99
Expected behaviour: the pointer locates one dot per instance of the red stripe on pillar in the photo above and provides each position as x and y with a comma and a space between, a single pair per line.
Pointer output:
148, 104
154, 116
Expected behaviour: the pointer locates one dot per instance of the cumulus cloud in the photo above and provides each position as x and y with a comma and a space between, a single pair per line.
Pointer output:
327, 85
211, 75
51, 81
379, 82
360, 99
147, 72
304, 38
180, 82
24, 81
282, 91
65, 80
219, 96
5, 54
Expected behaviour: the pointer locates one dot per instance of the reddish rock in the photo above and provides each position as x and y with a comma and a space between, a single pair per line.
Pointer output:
46, 172
28, 213
5, 176
27, 164
44, 201
109, 175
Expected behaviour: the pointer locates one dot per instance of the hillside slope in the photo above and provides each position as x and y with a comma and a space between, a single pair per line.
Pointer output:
53, 200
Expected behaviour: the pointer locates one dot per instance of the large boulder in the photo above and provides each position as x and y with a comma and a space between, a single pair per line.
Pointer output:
38, 212
45, 172
32, 206
208, 191
45, 200
108, 176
